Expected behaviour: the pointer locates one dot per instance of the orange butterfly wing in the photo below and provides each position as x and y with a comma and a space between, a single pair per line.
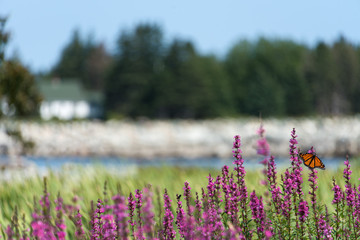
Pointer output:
312, 161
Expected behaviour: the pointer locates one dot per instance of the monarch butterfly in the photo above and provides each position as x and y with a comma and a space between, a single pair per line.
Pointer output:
312, 161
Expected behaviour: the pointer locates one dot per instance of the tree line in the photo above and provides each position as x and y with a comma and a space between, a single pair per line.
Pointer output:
147, 76
18, 91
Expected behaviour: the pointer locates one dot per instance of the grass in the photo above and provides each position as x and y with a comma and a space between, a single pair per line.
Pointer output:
88, 184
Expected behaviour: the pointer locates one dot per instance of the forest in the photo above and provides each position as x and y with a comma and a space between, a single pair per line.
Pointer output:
148, 76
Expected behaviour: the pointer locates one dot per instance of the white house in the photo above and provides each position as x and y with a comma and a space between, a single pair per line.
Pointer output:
67, 99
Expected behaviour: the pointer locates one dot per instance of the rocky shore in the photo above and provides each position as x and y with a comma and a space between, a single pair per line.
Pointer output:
190, 139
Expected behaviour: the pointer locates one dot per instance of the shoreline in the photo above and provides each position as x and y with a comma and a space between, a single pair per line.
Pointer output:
187, 138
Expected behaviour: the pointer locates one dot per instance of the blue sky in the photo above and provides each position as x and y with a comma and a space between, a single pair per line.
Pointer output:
41, 28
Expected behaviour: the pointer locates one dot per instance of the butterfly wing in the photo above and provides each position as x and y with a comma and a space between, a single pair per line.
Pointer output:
312, 161
318, 163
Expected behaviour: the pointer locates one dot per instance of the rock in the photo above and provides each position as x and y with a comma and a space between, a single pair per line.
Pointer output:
189, 139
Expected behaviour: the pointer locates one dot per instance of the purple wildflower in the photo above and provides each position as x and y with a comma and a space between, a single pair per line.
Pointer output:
9, 233
338, 193
324, 228
79, 232
262, 144
168, 232
42, 231
148, 214
313, 186
240, 174
59, 222
108, 226
198, 207
288, 190
296, 167
131, 206
264, 150
119, 210
349, 191
338, 200
180, 217
274, 189
257, 210
187, 196
303, 210
138, 197
97, 223
212, 225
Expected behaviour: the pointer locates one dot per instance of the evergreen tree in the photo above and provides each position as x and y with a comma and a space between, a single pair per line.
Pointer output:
237, 65
18, 93
320, 73
130, 83
347, 77
4, 36
86, 61
18, 90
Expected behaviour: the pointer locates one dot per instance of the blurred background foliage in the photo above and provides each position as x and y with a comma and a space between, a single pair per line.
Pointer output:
18, 92
148, 76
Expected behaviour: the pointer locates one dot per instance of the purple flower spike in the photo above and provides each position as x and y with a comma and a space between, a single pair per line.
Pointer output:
296, 164
59, 222
264, 150
288, 190
187, 196
242, 189
131, 206
120, 211
349, 191
303, 210
79, 232
324, 229
180, 217
338, 193
312, 192
168, 232
148, 214
258, 214
138, 201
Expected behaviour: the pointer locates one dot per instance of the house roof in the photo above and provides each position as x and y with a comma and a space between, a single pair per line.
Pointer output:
67, 89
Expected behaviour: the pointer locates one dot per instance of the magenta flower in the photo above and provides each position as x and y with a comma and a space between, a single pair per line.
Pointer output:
187, 196
138, 201
338, 193
288, 186
148, 214
296, 165
180, 217
120, 212
264, 150
349, 191
242, 189
263, 147
79, 232
131, 207
312, 192
303, 210
59, 222
168, 231
274, 189
259, 216
324, 229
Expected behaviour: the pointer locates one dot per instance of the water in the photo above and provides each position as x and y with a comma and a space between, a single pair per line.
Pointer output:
56, 163
41, 166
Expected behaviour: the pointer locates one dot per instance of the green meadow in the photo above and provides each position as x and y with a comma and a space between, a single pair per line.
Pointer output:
91, 183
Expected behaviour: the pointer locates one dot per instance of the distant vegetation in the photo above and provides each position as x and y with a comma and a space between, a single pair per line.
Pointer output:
18, 93
147, 76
